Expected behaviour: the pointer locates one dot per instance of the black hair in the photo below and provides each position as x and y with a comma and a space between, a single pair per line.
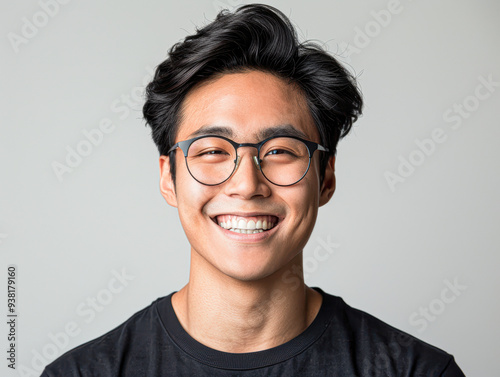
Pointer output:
254, 37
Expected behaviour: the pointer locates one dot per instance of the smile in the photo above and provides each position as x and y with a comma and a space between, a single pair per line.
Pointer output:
246, 224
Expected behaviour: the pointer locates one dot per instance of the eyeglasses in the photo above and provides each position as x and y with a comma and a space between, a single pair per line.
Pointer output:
282, 160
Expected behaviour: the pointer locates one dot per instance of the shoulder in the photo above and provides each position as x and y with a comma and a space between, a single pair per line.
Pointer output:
377, 346
105, 354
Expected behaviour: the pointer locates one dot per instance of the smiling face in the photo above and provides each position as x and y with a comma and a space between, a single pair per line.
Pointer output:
246, 228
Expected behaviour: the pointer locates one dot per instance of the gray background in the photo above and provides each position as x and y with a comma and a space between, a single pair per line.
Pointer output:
395, 249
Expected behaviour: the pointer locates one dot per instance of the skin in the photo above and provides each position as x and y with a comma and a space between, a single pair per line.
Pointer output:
246, 293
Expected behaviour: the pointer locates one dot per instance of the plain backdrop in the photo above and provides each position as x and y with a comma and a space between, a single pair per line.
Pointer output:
411, 215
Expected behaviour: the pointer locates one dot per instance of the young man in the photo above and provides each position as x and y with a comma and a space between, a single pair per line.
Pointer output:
247, 121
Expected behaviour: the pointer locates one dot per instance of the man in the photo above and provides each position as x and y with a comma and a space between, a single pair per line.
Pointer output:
247, 121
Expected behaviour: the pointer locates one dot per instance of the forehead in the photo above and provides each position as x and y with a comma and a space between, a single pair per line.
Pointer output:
246, 106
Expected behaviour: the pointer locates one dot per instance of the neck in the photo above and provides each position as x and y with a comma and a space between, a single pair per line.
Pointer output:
237, 316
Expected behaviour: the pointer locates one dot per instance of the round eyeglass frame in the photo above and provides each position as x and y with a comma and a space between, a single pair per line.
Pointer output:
186, 144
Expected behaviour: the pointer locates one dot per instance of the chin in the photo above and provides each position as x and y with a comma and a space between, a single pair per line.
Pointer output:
250, 272
247, 277
246, 272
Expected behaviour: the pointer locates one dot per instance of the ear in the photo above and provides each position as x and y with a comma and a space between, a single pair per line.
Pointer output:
328, 186
167, 186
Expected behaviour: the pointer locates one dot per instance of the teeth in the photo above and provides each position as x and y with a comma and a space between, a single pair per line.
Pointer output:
250, 225
246, 231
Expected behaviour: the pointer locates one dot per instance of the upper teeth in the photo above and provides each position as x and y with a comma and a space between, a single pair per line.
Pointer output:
255, 224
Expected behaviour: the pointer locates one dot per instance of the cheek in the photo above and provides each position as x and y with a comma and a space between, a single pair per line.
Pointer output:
314, 173
191, 203
192, 200
191, 195
302, 202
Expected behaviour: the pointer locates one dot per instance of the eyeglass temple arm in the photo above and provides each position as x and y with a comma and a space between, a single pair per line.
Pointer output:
174, 147
181, 144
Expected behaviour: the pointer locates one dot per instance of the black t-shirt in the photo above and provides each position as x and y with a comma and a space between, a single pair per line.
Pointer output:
341, 341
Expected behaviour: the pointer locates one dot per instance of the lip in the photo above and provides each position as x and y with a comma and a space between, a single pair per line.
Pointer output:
247, 214
249, 238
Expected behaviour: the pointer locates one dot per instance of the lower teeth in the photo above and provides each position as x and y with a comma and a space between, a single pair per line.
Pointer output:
246, 231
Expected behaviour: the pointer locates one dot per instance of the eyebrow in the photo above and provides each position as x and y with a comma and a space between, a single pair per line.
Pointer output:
212, 130
279, 130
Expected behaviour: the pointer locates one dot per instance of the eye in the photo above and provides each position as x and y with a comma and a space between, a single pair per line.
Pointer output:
280, 151
208, 153
215, 152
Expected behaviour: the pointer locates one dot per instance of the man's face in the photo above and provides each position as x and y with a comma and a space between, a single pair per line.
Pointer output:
243, 107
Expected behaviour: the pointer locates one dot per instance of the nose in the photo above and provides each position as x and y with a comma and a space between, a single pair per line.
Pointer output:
247, 181
255, 159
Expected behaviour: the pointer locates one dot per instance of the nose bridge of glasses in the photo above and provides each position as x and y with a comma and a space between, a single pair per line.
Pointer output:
254, 157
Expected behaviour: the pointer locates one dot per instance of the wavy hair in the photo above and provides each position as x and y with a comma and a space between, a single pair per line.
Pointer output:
254, 37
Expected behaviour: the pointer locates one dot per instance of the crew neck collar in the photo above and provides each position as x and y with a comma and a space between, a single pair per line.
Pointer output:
249, 360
